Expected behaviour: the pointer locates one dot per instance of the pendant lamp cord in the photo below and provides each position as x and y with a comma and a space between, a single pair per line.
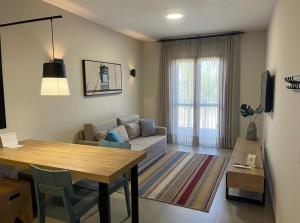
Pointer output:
52, 39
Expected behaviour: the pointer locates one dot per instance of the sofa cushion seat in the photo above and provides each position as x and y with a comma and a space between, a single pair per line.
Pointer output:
154, 146
142, 143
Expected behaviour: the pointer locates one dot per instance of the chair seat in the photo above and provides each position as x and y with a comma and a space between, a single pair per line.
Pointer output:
93, 185
82, 201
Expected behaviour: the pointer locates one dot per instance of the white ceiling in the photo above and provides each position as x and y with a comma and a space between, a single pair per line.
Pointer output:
145, 19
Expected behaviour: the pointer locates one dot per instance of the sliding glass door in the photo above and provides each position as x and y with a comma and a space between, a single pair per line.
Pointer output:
196, 101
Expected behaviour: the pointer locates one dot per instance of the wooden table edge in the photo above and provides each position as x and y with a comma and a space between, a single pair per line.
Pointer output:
77, 174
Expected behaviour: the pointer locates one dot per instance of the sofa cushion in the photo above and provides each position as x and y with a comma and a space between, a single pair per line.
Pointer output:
147, 127
114, 136
101, 135
90, 130
143, 143
128, 119
122, 132
132, 124
133, 129
154, 146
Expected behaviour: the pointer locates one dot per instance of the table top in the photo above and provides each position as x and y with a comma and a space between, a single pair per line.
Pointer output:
240, 153
88, 162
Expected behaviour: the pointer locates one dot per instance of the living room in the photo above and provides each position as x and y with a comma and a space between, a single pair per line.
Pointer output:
178, 90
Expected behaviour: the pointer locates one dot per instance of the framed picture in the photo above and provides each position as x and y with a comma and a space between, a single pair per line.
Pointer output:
2, 103
101, 78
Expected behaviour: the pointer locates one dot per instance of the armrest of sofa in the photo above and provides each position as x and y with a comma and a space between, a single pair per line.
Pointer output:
160, 130
88, 143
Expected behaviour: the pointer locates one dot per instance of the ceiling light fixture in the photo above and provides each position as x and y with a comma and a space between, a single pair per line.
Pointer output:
174, 16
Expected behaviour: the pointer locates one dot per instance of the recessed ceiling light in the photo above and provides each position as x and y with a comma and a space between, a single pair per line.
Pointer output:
174, 16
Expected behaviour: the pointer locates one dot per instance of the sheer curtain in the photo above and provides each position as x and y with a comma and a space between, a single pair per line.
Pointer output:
199, 91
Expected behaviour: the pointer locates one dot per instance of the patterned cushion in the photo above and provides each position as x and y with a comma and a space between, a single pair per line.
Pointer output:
133, 129
147, 127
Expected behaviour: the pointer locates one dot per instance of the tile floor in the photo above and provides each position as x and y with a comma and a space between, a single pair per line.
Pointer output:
222, 210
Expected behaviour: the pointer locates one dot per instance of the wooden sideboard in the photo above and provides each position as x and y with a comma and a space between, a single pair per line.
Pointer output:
252, 180
15, 201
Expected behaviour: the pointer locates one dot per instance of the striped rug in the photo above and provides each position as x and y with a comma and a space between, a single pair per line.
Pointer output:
185, 179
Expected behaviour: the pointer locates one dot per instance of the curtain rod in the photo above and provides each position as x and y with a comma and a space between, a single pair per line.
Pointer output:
31, 20
200, 36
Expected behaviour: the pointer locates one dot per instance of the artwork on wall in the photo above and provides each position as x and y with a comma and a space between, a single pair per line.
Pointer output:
101, 78
2, 103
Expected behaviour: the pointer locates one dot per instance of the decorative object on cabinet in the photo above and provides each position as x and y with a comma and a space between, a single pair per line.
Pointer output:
101, 78
247, 111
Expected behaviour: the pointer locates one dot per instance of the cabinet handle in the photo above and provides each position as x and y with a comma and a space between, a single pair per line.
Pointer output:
14, 196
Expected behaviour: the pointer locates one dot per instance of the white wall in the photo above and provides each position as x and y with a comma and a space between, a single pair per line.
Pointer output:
26, 47
150, 79
282, 126
253, 64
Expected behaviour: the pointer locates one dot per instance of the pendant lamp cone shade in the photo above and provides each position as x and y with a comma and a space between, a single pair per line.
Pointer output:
54, 80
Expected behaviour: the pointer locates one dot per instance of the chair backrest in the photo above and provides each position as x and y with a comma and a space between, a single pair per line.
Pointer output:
105, 143
52, 178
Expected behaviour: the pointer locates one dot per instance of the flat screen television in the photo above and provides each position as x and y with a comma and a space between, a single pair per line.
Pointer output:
2, 103
267, 91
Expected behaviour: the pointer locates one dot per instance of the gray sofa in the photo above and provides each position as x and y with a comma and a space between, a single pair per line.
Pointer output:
155, 146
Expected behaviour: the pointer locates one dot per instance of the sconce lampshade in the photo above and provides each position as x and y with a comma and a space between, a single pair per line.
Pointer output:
132, 72
54, 80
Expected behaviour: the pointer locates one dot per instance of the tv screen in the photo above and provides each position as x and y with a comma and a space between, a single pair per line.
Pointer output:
266, 100
2, 103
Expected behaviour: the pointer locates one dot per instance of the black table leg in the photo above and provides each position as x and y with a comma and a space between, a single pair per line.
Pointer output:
104, 203
134, 195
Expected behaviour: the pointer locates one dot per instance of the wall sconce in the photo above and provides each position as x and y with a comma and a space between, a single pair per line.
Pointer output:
132, 72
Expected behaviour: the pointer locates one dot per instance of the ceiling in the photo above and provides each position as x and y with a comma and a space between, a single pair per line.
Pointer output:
145, 19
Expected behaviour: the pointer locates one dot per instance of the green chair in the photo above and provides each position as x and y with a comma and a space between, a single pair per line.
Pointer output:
58, 198
118, 183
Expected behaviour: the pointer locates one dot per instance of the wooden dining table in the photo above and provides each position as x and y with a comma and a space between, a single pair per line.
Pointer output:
100, 164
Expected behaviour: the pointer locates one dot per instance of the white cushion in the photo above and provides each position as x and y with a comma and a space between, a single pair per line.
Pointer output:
122, 131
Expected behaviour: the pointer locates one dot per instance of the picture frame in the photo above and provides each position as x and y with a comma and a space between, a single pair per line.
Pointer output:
251, 160
101, 78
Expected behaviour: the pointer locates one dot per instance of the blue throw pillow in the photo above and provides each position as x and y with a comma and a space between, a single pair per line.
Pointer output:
113, 136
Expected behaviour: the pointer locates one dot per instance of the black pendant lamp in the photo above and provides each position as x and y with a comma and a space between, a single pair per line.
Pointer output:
54, 80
